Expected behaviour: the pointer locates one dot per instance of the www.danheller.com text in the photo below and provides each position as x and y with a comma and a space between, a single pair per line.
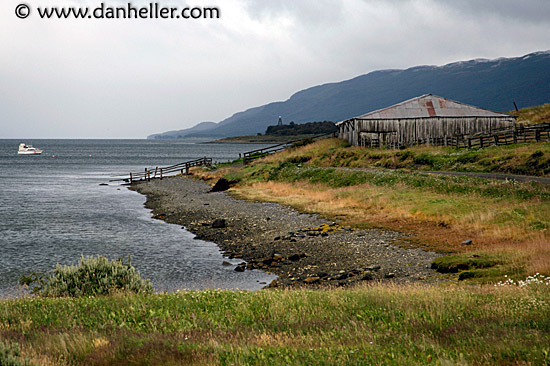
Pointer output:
128, 11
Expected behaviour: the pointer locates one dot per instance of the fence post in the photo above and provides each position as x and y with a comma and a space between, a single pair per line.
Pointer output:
469, 143
130, 177
160, 173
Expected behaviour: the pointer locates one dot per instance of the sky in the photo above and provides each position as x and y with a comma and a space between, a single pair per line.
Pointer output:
129, 78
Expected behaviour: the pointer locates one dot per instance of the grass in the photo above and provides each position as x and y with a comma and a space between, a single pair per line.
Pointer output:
383, 325
533, 115
526, 159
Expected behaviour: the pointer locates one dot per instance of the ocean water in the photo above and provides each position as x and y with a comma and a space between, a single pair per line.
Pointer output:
54, 210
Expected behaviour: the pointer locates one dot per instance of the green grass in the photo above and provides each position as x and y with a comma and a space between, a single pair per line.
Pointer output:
477, 267
526, 159
389, 178
376, 325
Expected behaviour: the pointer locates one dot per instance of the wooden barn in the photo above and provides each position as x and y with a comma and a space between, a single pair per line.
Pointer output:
427, 119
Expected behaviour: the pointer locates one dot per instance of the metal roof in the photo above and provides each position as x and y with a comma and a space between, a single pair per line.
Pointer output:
427, 106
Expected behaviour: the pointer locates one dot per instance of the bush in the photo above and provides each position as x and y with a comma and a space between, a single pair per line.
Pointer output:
10, 355
92, 276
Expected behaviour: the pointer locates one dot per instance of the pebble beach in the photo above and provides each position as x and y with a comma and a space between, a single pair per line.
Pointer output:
301, 249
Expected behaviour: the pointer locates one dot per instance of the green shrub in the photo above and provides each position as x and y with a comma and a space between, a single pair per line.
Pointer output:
92, 276
425, 159
10, 355
464, 262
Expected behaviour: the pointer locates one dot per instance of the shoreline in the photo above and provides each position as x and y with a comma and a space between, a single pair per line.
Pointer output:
301, 249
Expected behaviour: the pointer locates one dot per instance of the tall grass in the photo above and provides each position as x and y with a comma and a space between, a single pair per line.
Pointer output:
368, 325
527, 159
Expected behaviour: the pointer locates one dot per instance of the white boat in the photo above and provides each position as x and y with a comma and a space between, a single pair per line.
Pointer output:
25, 149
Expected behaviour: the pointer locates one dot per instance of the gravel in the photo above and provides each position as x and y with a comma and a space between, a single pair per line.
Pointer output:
301, 249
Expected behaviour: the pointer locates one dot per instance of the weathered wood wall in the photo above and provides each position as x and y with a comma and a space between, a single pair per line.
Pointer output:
411, 130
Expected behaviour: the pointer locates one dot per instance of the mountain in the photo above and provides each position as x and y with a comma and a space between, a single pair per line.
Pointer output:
201, 127
490, 84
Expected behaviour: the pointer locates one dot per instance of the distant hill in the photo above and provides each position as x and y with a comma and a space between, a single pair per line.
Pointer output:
489, 84
203, 126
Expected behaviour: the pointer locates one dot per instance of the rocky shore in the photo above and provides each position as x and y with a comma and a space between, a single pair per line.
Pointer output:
301, 249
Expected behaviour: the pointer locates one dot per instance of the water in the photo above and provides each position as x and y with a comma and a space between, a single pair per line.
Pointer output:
53, 210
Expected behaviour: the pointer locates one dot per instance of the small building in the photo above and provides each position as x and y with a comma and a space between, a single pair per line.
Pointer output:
427, 119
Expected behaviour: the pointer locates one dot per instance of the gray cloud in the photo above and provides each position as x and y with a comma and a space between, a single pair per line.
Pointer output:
530, 11
121, 78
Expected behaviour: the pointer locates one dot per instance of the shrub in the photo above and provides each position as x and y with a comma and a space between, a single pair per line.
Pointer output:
92, 276
425, 159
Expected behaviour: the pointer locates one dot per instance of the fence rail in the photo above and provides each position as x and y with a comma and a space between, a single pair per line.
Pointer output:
519, 134
161, 172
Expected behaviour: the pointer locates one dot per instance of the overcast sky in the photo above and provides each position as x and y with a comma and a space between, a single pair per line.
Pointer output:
131, 78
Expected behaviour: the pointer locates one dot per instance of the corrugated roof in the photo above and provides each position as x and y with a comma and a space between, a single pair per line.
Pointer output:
430, 106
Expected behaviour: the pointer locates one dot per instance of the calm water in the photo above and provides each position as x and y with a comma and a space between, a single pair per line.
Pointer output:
53, 210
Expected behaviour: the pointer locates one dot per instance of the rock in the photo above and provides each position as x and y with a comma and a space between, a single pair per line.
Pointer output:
367, 276
103, 184
373, 268
226, 264
322, 275
278, 257
342, 276
277, 238
267, 261
218, 224
467, 242
296, 257
311, 280
241, 267
390, 275
221, 185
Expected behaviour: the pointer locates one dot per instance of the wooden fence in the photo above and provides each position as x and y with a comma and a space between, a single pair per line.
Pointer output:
519, 134
161, 172
250, 156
